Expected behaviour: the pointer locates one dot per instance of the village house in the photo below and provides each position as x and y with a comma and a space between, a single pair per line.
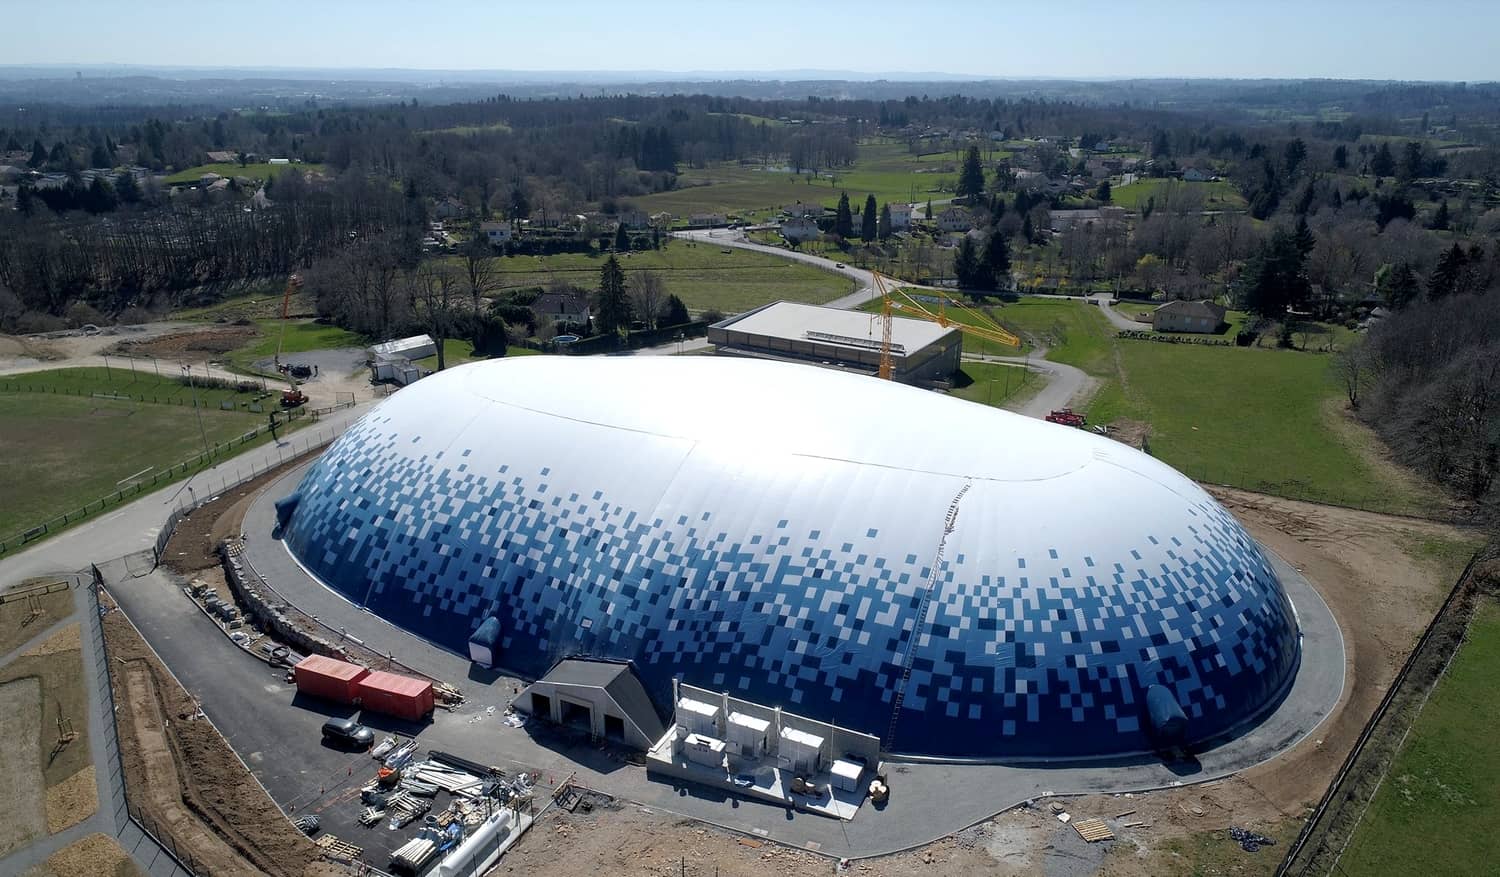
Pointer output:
498, 233
1203, 317
564, 308
800, 229
955, 219
900, 217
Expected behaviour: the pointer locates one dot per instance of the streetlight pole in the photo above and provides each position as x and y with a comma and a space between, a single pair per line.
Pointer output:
188, 370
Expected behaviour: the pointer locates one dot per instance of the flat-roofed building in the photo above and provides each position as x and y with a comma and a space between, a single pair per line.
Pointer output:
921, 352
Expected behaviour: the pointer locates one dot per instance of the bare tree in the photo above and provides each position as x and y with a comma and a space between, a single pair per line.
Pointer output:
1353, 367
648, 292
433, 289
481, 274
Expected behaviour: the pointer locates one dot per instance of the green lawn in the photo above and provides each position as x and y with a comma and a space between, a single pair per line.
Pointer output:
1248, 417
260, 171
991, 383
142, 383
884, 169
1435, 811
702, 275
69, 451
300, 337
1219, 195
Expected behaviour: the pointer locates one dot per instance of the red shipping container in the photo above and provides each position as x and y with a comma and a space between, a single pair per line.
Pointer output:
328, 678
399, 696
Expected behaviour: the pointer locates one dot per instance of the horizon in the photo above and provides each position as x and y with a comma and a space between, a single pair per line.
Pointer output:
969, 40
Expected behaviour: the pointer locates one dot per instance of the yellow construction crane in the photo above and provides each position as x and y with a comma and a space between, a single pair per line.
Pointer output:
979, 324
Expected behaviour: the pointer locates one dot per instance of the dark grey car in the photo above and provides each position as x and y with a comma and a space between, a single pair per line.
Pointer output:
348, 733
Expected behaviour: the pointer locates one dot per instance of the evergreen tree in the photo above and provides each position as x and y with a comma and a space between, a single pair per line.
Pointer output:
1412, 161
127, 188
1383, 164
1304, 237
1293, 156
869, 220
38, 154
1028, 231
928, 212
1102, 194
1440, 218
675, 313
997, 261
99, 157
614, 301
100, 197
1401, 288
966, 266
884, 230
843, 220
1276, 278
1445, 277
971, 176
622, 239
520, 208
1341, 156
59, 154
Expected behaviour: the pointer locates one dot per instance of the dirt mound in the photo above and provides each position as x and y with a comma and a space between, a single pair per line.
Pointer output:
216, 340
186, 779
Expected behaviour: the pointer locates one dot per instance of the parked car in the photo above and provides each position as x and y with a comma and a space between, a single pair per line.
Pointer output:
347, 732
839, 265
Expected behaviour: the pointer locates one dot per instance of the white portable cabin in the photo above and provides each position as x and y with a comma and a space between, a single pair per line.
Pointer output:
697, 717
802, 751
846, 775
748, 735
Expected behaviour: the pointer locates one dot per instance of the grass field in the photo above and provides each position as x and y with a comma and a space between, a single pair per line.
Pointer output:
1253, 418
50, 435
260, 171
991, 383
703, 276
1216, 196
1435, 811
883, 169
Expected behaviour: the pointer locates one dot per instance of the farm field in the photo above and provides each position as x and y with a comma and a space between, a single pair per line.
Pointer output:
119, 438
1434, 813
1218, 195
884, 169
260, 171
703, 276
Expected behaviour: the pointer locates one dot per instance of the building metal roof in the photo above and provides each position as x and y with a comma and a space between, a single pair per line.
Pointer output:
794, 321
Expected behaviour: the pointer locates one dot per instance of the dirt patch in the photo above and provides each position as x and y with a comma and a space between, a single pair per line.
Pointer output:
22, 618
14, 346
183, 774
1136, 433
22, 816
65, 640
93, 856
191, 345
62, 697
192, 548
72, 800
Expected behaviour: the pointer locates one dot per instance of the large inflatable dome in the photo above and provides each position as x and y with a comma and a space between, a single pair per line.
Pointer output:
957, 580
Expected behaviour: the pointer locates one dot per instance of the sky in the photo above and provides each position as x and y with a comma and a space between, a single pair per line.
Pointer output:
1355, 39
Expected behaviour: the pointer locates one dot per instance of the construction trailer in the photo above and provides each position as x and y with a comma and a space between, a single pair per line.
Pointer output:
329, 678
415, 347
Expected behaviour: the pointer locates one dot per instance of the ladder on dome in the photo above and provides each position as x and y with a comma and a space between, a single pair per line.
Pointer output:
950, 522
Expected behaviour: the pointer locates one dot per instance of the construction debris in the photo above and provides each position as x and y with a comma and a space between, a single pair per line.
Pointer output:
1249, 841
338, 850
1093, 830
